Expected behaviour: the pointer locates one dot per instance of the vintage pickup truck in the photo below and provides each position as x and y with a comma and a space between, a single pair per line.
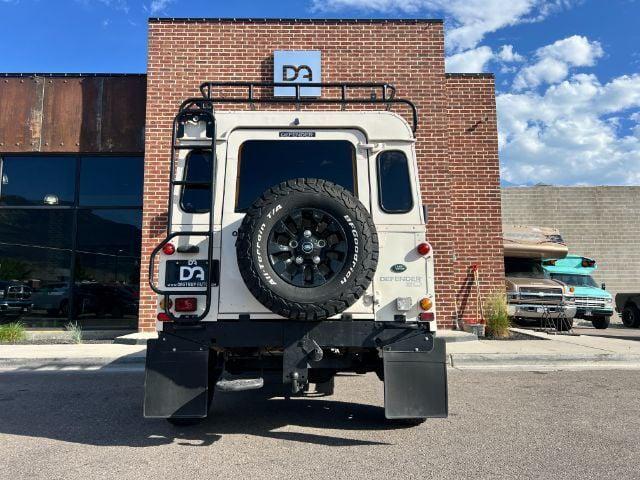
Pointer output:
593, 302
532, 295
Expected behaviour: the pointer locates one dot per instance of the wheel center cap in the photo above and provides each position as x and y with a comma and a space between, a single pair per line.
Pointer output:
307, 247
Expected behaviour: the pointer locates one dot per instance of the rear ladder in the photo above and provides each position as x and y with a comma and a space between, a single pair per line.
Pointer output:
198, 111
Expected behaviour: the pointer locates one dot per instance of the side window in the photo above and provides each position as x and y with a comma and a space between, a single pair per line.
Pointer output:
394, 184
198, 168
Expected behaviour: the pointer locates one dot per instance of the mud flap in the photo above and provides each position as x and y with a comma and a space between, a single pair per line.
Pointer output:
415, 378
176, 379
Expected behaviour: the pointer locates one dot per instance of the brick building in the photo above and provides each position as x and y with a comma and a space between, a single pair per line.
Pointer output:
456, 138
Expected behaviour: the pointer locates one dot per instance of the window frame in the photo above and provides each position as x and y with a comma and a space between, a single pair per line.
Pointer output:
210, 187
379, 183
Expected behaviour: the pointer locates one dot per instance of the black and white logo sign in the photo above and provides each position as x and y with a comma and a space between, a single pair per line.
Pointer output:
297, 66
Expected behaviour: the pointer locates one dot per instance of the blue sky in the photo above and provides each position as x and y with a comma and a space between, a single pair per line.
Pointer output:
566, 70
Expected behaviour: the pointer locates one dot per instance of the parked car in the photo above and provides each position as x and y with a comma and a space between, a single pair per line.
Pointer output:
628, 306
593, 302
532, 295
15, 300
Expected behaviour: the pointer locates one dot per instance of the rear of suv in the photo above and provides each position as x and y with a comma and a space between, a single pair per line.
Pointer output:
296, 250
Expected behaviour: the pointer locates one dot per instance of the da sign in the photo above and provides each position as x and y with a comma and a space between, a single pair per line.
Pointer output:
297, 66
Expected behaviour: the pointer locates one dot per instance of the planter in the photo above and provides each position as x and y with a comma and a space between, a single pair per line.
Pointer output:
476, 328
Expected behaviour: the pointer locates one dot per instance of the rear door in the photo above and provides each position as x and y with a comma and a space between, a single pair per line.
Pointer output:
259, 159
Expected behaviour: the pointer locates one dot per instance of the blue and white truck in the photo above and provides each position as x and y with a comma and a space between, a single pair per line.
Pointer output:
593, 302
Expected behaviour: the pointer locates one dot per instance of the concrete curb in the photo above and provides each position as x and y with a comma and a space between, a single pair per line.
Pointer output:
489, 360
69, 363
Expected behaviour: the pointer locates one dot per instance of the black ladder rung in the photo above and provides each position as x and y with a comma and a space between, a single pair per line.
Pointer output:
192, 147
187, 183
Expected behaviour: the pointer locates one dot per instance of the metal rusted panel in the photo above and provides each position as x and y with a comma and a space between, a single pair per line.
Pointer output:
82, 113
123, 114
20, 114
70, 121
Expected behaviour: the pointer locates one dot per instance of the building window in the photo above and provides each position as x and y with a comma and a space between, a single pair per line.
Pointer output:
72, 234
394, 183
265, 163
38, 181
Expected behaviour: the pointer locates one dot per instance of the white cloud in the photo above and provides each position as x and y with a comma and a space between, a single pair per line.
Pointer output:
507, 55
555, 60
470, 61
468, 21
567, 135
159, 6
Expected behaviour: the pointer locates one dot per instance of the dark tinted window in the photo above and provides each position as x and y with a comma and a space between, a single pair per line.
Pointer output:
198, 168
111, 181
40, 228
38, 181
394, 182
264, 163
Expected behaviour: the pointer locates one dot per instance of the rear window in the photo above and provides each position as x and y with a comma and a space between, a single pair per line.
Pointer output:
198, 168
265, 163
394, 182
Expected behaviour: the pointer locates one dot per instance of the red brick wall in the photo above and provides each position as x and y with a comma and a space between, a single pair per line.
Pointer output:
475, 188
408, 54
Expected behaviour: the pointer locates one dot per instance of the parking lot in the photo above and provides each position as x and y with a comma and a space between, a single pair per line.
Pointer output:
561, 424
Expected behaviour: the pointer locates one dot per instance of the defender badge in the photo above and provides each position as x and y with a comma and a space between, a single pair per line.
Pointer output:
398, 268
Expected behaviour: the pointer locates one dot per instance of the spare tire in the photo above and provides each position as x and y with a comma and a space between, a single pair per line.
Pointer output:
307, 249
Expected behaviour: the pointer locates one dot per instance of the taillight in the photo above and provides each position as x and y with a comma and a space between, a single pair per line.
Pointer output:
427, 317
426, 304
423, 248
169, 249
163, 317
186, 304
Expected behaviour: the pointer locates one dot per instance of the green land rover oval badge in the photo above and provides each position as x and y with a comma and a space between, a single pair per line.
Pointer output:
398, 268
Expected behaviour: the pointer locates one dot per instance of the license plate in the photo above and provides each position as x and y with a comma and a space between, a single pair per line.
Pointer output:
588, 313
539, 309
186, 273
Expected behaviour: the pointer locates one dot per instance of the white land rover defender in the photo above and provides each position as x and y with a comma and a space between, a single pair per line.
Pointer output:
295, 250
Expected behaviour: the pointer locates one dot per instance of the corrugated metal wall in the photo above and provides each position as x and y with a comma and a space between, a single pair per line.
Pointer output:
87, 114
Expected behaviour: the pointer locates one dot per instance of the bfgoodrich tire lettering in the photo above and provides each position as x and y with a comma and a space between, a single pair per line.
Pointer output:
307, 249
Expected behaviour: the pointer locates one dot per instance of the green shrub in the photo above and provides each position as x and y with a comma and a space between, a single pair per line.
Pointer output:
12, 332
76, 332
496, 315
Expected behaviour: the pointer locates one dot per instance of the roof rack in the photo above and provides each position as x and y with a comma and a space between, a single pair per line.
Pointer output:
381, 93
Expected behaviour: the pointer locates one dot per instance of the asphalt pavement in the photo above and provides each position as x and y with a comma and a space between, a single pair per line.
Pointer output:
502, 424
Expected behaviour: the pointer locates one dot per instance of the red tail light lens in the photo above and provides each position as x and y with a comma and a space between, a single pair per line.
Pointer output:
163, 317
189, 304
423, 248
169, 249
427, 317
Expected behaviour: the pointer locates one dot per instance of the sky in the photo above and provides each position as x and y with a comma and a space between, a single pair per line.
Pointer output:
567, 71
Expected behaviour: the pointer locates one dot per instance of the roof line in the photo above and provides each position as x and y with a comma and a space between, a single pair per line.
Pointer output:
292, 20
63, 75
469, 75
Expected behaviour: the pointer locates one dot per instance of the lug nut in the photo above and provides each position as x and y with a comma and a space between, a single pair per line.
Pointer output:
307, 233
299, 260
322, 243
316, 259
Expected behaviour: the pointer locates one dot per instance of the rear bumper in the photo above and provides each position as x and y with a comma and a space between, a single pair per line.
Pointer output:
183, 362
525, 310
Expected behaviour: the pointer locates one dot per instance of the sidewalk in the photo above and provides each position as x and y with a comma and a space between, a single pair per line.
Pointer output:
548, 351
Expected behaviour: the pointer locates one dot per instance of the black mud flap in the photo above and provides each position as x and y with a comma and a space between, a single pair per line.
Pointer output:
415, 378
176, 379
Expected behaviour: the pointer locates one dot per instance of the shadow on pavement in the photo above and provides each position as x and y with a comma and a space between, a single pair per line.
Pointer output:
105, 409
